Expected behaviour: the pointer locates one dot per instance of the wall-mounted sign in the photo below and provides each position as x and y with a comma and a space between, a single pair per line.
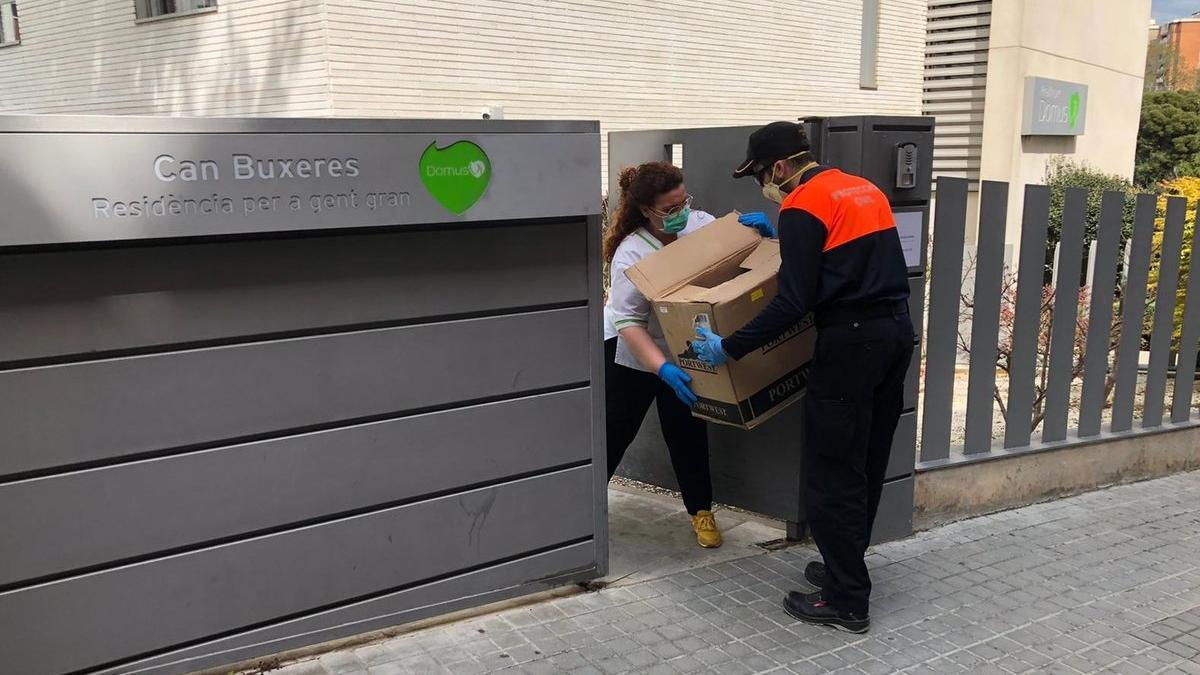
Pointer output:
1054, 108
61, 187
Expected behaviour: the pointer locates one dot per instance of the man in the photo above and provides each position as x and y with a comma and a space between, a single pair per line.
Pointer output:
842, 260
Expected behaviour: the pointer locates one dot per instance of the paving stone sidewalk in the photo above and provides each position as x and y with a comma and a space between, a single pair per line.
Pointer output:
1104, 582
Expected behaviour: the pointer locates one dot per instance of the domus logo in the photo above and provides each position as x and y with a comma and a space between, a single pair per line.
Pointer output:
457, 176
1073, 110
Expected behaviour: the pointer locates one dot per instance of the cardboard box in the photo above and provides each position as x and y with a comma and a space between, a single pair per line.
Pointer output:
725, 274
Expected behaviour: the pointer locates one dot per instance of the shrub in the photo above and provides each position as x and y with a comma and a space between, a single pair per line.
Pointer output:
1188, 188
1062, 173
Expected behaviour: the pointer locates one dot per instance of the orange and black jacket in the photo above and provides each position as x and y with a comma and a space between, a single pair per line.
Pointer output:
840, 251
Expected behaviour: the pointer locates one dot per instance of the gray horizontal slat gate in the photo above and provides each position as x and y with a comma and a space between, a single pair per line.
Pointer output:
226, 434
177, 400
242, 584
550, 569
238, 490
134, 298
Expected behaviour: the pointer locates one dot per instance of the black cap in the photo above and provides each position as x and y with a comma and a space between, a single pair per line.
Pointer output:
776, 141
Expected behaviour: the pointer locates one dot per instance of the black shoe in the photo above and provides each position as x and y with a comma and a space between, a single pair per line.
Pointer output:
811, 608
816, 574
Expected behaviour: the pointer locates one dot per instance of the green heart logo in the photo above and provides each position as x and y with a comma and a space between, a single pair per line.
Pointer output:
456, 175
1073, 110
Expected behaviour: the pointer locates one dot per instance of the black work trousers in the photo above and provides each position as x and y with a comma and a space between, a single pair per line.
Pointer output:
855, 395
628, 394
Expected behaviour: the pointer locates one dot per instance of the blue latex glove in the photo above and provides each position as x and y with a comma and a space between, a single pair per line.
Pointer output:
758, 220
678, 381
709, 348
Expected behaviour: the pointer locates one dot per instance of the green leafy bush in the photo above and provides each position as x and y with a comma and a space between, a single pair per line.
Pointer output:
1061, 174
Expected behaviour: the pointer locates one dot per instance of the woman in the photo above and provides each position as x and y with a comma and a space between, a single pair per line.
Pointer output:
655, 209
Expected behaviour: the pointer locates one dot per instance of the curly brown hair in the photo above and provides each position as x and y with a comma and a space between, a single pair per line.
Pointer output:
640, 187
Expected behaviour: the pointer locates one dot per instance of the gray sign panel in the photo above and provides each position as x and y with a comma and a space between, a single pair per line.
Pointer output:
64, 187
1054, 108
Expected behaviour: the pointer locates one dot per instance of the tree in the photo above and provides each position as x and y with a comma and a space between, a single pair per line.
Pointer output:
1166, 70
1158, 58
1168, 137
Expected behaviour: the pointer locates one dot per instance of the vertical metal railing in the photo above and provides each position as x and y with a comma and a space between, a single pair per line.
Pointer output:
985, 327
1027, 317
1164, 314
1185, 367
1100, 318
1134, 307
1071, 350
1066, 310
941, 339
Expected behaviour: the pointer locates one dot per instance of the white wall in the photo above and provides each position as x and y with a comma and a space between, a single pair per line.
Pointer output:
251, 57
1100, 43
634, 65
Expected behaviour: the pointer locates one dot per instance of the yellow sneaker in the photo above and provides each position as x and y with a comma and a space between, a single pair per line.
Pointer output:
705, 525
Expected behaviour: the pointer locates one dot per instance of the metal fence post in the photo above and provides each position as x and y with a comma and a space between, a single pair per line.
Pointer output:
1065, 317
1164, 313
945, 286
1028, 317
1185, 368
1100, 315
1133, 304
985, 316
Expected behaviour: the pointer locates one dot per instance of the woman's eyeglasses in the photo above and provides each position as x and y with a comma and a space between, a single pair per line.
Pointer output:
676, 209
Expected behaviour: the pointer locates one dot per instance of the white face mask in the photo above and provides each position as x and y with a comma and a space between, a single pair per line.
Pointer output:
773, 191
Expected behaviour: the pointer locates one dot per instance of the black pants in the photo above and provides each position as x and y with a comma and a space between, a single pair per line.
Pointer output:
855, 395
628, 394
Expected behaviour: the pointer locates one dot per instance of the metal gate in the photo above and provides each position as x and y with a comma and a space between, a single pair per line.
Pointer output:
266, 383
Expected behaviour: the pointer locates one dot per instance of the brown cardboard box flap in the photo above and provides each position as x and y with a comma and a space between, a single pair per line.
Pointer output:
766, 255
683, 260
743, 284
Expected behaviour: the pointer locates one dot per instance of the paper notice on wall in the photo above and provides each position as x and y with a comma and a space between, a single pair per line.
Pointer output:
908, 224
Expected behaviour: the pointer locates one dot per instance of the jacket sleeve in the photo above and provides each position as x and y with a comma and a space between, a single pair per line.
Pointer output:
801, 242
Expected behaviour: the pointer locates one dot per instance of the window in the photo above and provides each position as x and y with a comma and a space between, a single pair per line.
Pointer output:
10, 29
868, 65
153, 9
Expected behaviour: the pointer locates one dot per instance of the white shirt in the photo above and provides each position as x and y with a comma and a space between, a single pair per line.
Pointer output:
626, 305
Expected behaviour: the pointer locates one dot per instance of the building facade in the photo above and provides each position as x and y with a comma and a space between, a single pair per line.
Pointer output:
1174, 54
990, 67
632, 65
